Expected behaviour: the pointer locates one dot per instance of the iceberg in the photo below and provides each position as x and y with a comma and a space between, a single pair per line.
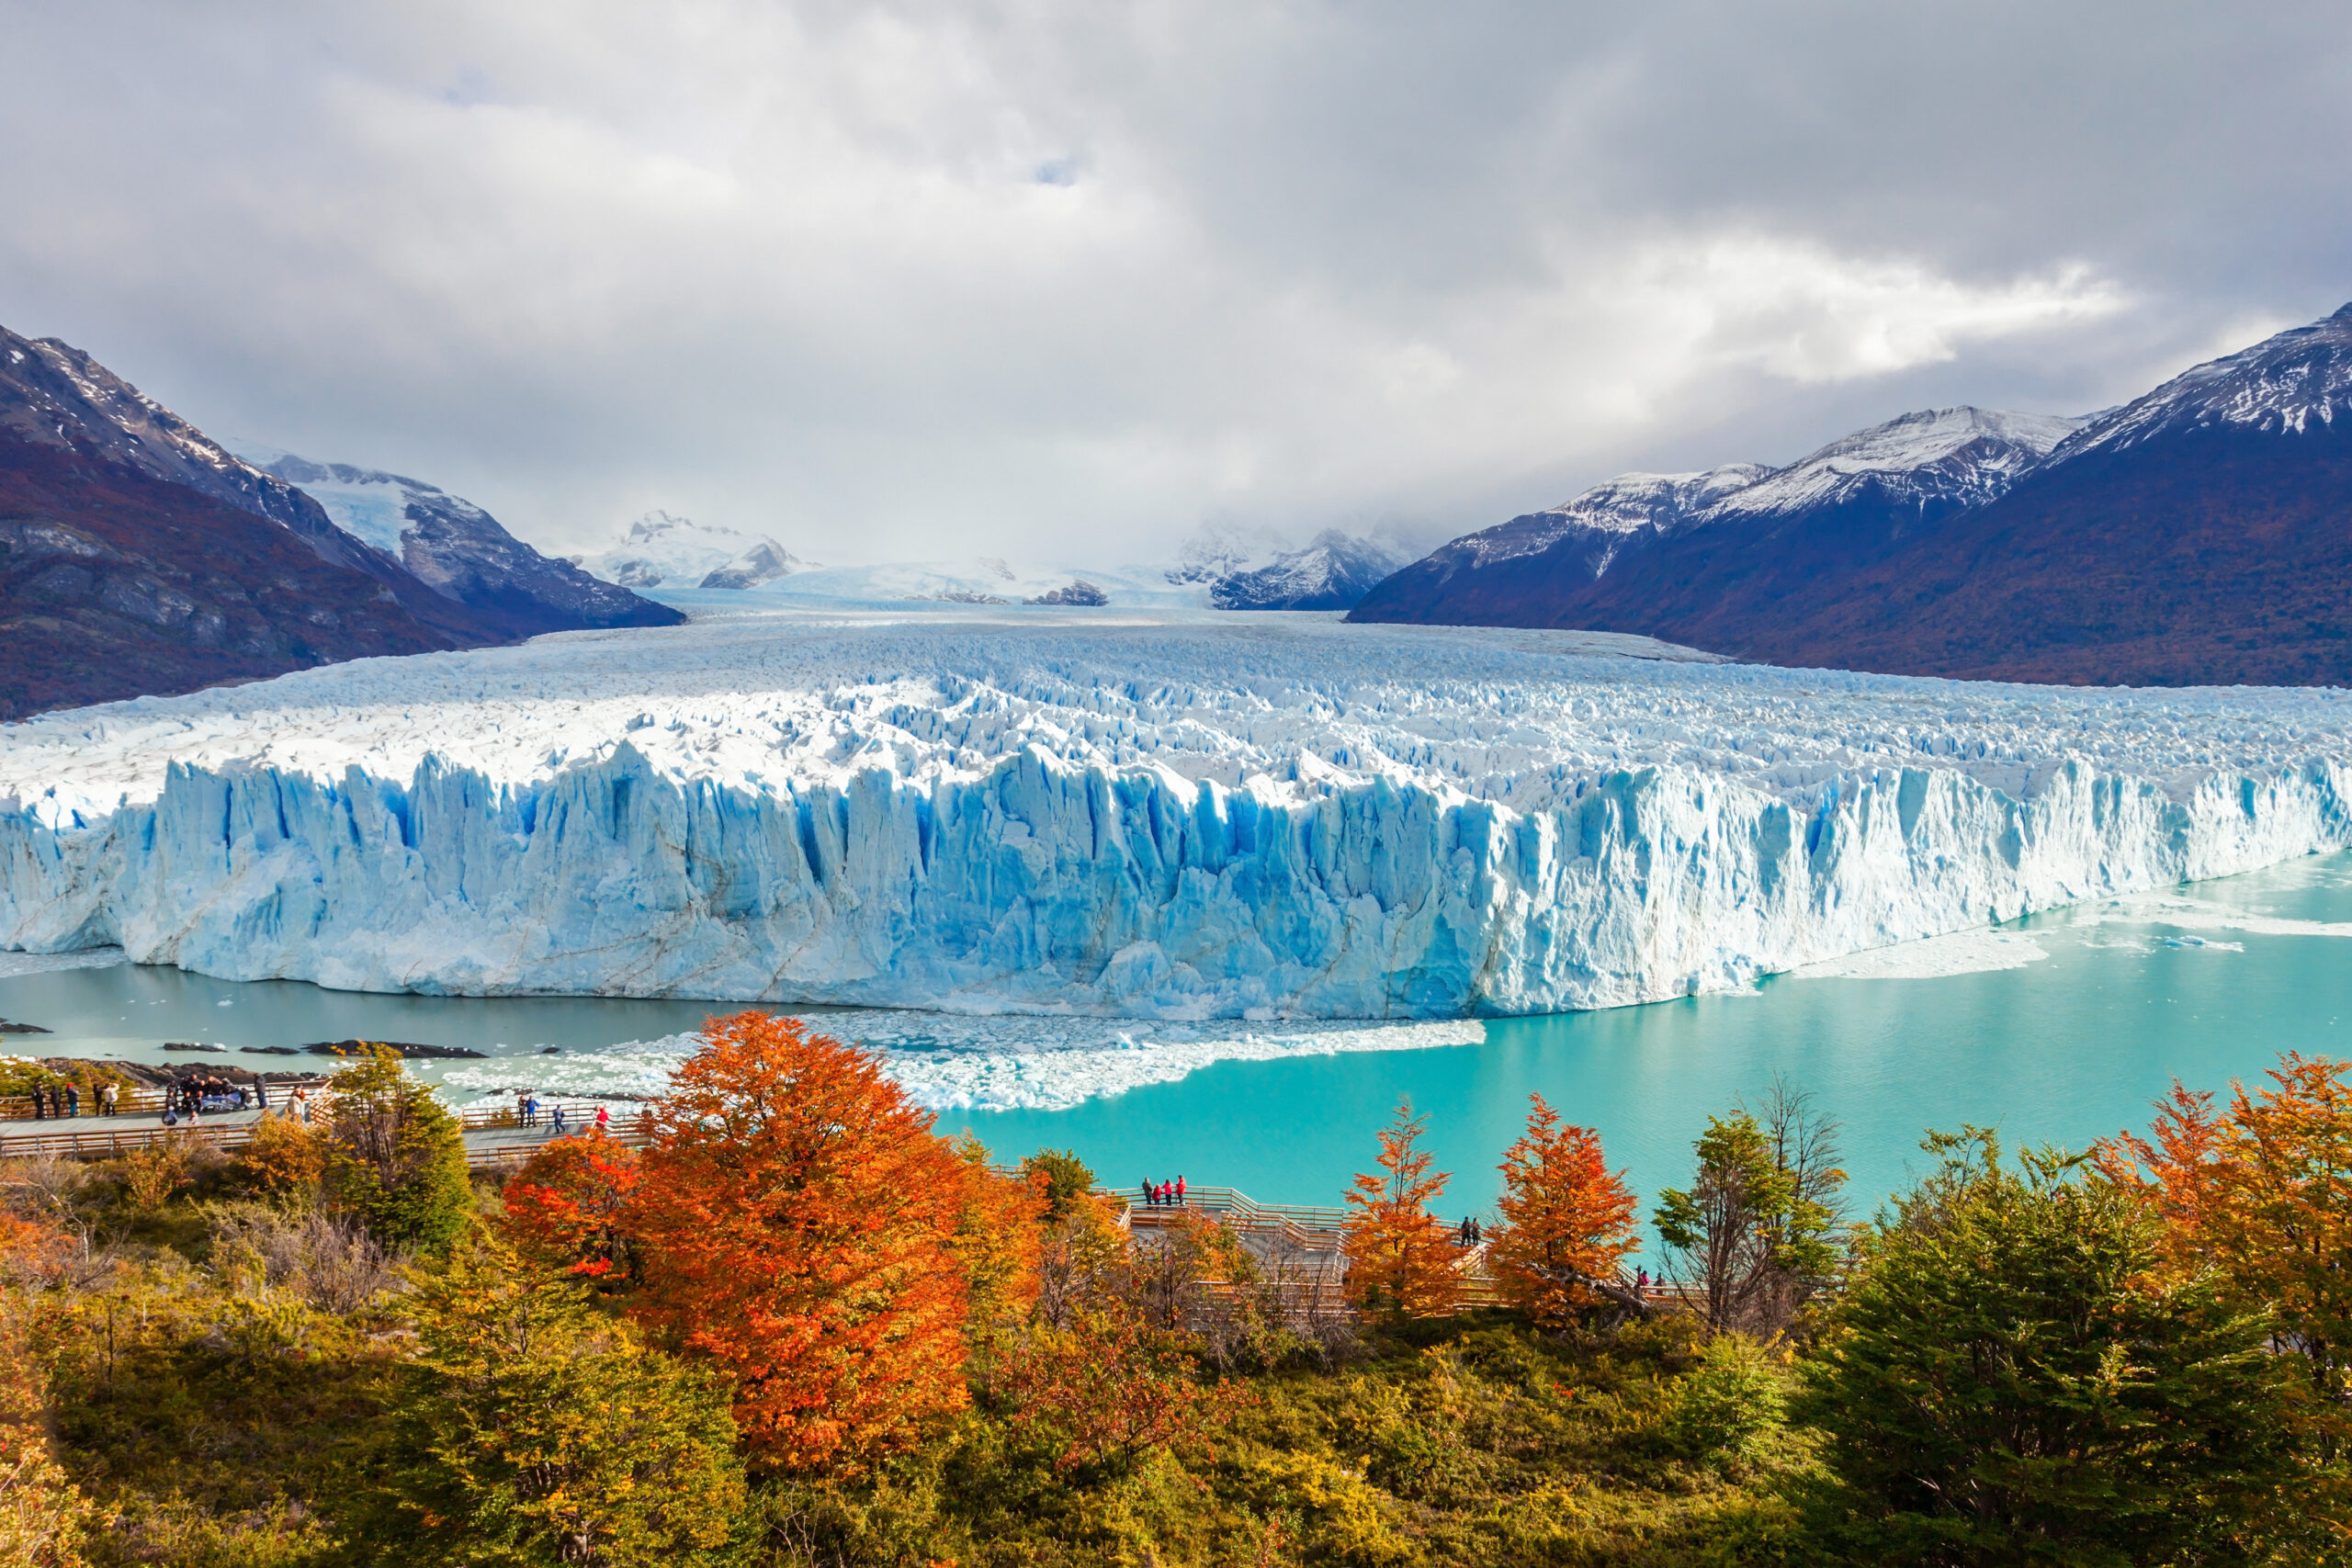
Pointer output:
1127, 814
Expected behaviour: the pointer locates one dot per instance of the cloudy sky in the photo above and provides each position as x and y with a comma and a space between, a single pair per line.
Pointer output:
1071, 279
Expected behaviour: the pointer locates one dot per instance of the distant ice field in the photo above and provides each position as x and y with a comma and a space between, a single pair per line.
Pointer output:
1138, 814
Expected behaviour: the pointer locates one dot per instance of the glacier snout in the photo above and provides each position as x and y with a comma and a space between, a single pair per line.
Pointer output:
1038, 883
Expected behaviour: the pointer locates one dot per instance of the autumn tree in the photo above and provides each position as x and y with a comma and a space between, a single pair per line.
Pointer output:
1400, 1257
998, 1240
283, 1158
42, 1513
1106, 1389
395, 1157
2262, 1191
568, 1207
537, 1429
801, 1220
1567, 1220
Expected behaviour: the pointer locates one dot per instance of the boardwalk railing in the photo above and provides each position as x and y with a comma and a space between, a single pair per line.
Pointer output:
115, 1136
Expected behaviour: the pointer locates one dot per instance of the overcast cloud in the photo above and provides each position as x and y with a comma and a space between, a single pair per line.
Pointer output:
1070, 279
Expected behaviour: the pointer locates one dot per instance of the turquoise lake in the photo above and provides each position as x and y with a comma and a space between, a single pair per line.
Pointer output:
2105, 1005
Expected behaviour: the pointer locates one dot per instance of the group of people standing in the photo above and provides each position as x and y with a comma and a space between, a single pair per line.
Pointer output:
1469, 1233
526, 1113
64, 1099
1164, 1194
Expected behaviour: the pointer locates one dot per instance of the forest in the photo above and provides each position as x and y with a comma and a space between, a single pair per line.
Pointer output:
786, 1322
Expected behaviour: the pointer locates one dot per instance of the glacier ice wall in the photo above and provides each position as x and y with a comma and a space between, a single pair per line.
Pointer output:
977, 818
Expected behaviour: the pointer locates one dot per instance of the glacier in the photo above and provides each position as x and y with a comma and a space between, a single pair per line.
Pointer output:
1143, 814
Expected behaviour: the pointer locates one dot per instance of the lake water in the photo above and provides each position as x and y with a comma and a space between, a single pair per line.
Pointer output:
2062, 1028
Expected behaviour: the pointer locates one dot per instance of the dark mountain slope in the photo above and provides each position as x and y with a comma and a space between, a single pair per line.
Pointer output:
115, 584
2211, 557
1715, 559
53, 395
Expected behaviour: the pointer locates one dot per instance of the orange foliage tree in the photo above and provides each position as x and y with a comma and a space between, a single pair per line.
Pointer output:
569, 1207
1111, 1387
1567, 1219
998, 1240
1400, 1258
800, 1221
2262, 1191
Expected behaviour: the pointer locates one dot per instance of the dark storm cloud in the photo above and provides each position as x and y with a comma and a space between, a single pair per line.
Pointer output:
894, 280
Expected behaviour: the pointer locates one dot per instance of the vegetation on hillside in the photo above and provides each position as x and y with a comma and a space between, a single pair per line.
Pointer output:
797, 1326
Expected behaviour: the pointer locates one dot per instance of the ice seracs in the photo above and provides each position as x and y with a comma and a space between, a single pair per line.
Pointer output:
1181, 816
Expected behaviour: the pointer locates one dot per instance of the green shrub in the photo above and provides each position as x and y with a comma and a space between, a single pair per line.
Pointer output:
1732, 1406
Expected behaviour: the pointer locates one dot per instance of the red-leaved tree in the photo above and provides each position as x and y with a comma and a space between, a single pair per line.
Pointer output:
568, 1207
799, 1219
1567, 1219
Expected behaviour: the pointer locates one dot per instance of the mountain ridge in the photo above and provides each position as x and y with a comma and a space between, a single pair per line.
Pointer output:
2189, 535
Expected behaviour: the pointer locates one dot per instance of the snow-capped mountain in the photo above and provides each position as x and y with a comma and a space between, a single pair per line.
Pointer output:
139, 557
2201, 532
56, 394
1608, 514
1950, 457
2284, 385
1642, 545
664, 550
459, 551
1334, 572
1219, 550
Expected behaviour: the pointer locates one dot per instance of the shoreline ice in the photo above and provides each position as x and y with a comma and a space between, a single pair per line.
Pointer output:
1174, 816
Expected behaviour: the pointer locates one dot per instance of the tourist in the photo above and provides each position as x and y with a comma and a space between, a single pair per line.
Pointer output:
1179, 1191
303, 1103
1149, 1197
555, 1126
108, 1095
1641, 1282
603, 1120
40, 1106
73, 1100
261, 1092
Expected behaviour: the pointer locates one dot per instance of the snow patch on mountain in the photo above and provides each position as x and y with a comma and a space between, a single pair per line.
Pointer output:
1172, 816
1333, 572
1969, 455
2285, 384
1628, 504
664, 550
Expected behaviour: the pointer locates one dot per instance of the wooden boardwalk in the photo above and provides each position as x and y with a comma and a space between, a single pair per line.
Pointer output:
495, 1139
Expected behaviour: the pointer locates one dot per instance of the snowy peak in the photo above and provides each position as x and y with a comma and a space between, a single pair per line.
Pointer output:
661, 549
53, 394
1970, 455
459, 551
1224, 549
1624, 505
1333, 572
2284, 385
